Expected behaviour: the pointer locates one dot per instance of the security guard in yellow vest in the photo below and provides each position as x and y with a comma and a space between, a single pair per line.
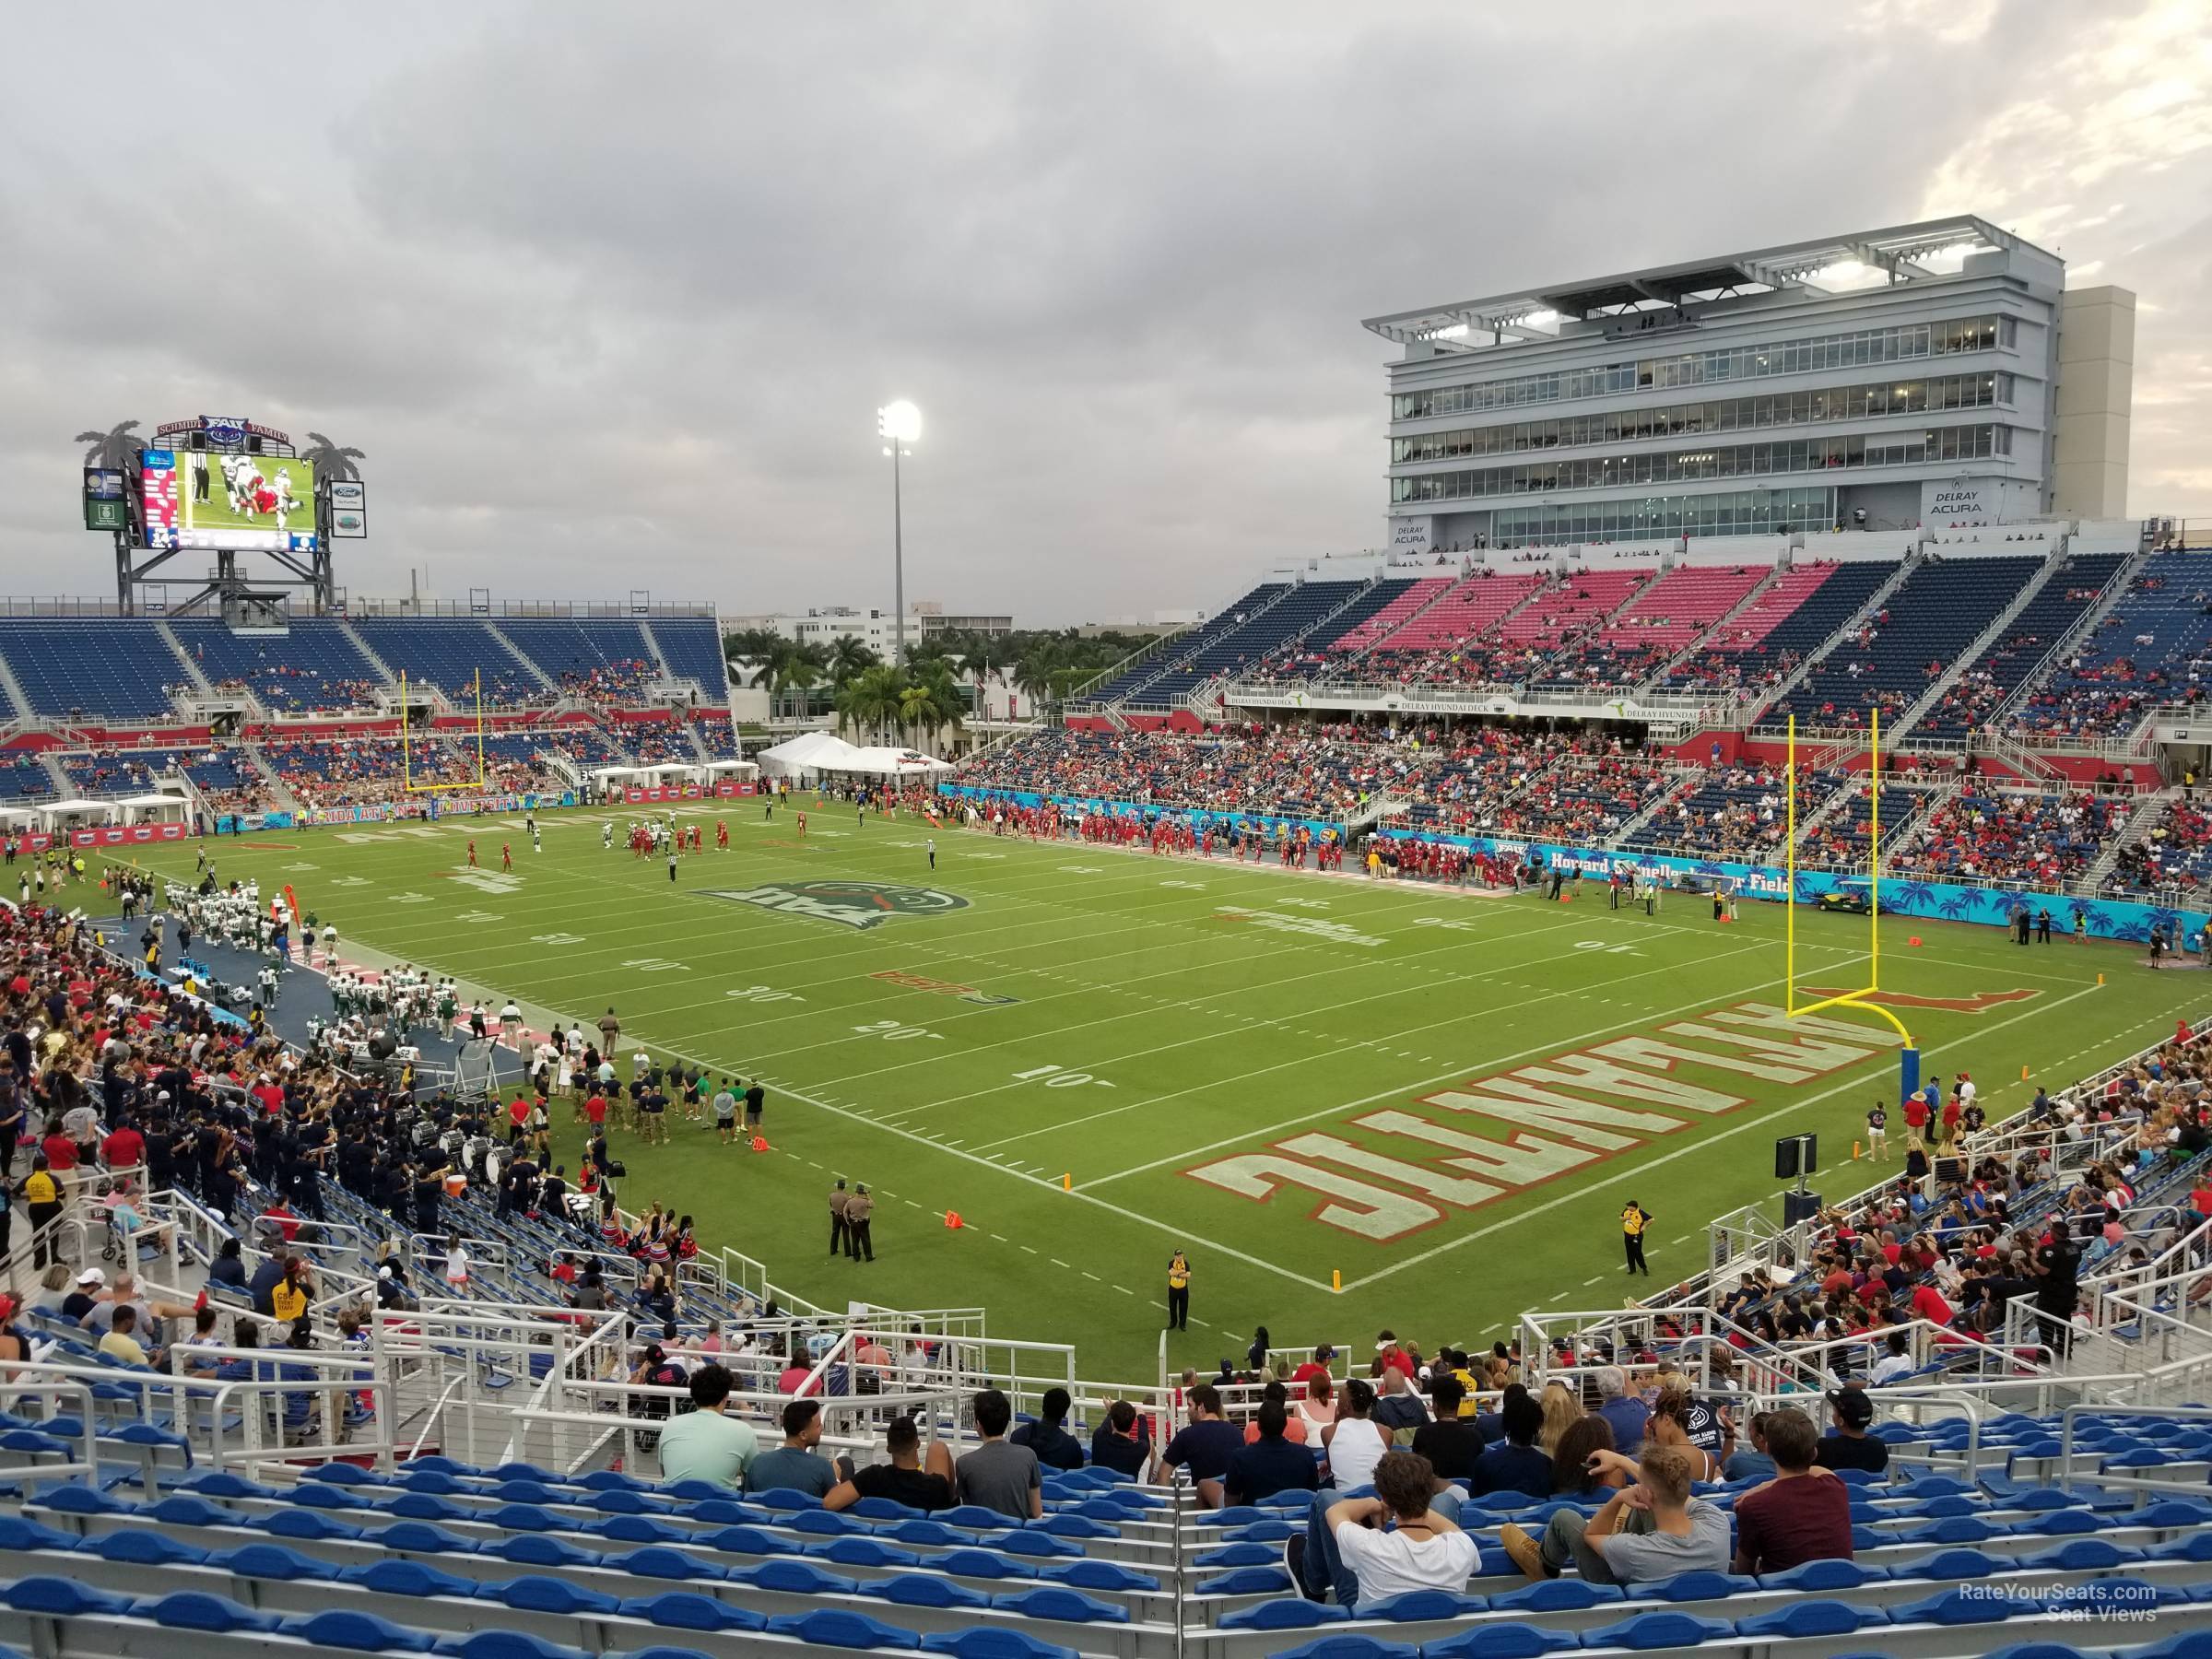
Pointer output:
1633, 1220
1179, 1292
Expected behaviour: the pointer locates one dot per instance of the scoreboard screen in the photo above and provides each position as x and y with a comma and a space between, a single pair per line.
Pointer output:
218, 499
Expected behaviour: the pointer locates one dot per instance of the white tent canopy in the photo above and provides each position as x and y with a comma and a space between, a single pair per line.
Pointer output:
822, 752
152, 808
56, 813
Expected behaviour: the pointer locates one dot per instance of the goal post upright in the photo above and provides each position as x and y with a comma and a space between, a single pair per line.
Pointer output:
1862, 999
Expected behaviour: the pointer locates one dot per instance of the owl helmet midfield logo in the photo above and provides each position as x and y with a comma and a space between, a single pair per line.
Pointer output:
848, 903
224, 428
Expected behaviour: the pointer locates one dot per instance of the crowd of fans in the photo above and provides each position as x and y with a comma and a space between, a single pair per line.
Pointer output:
2039, 840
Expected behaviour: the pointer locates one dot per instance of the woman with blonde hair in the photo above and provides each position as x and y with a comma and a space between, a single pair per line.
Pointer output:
1563, 1410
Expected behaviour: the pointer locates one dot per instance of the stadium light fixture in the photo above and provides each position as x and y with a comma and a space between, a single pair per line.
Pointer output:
899, 424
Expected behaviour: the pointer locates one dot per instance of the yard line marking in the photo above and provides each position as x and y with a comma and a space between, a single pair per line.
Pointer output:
1093, 1278
1591, 1280
1582, 1039
1455, 1017
1704, 1141
1027, 1251
1124, 1290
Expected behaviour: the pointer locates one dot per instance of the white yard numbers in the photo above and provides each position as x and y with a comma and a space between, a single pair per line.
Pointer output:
657, 965
495, 882
1610, 949
1304, 903
891, 1031
476, 918
555, 938
1451, 922
1081, 870
1196, 887
302, 866
1058, 1076
408, 898
348, 881
762, 993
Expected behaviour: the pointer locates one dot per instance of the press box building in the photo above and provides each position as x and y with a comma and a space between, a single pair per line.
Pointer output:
1932, 374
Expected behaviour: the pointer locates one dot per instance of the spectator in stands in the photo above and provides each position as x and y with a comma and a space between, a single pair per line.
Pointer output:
1646, 1533
1124, 1441
1575, 1473
1897, 1363
999, 1474
228, 1266
919, 1480
1398, 1408
1205, 1447
795, 1467
1451, 1443
1802, 1513
1047, 1435
706, 1442
1364, 1550
1270, 1463
1751, 1461
1514, 1465
1623, 1412
120, 1343
1848, 1445
1354, 1444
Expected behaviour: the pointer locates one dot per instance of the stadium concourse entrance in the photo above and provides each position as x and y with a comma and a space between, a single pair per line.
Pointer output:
304, 1006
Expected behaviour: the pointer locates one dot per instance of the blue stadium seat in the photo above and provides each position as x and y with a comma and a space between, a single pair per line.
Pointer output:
197, 1610
350, 1630
1348, 1646
1648, 1631
1818, 1617
505, 1644
689, 1610
1956, 1607
61, 1598
834, 1626
271, 1561
1288, 1614
993, 1641
1508, 1641
924, 1590
406, 1578
540, 1593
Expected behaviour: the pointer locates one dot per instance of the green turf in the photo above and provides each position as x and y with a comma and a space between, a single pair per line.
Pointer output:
1204, 1036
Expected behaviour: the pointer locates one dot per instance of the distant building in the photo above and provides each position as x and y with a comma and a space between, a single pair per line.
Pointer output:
1935, 374
876, 629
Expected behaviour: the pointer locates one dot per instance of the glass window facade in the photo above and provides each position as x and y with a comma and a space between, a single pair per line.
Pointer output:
1727, 415
1728, 512
1863, 348
1737, 460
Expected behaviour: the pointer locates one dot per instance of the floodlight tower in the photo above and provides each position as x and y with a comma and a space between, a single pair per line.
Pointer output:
899, 424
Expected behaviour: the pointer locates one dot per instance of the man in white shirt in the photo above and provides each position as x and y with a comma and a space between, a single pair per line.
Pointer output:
1897, 1362
1405, 1537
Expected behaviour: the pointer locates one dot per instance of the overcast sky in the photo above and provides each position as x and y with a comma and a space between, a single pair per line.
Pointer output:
609, 295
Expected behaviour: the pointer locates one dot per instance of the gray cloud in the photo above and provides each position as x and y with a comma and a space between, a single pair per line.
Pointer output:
609, 295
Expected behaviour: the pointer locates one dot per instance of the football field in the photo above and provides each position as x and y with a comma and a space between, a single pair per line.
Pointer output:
1440, 1099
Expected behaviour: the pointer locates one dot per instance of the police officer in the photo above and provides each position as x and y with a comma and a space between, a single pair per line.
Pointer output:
860, 1244
841, 1232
